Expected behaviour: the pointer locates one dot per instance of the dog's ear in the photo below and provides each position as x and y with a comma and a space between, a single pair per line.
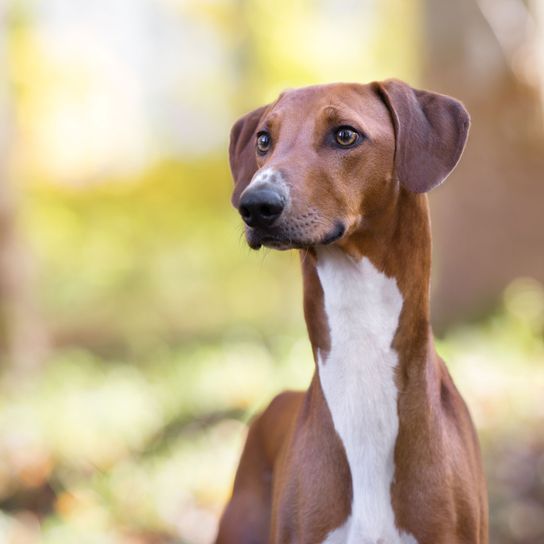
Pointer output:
243, 164
431, 131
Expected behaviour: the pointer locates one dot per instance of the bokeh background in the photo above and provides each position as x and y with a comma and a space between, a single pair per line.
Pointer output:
139, 334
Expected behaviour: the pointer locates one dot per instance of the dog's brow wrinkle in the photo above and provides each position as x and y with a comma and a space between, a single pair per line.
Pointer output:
333, 112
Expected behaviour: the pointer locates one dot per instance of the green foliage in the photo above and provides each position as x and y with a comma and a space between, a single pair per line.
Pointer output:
106, 448
132, 264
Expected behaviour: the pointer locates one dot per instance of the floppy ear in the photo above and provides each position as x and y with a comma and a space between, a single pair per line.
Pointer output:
431, 131
242, 151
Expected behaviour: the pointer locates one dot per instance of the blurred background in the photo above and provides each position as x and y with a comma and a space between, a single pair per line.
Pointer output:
139, 334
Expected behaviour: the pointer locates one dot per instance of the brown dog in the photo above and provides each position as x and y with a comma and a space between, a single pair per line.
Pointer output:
381, 448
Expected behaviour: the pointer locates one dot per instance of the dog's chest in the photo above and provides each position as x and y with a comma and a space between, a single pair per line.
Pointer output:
357, 377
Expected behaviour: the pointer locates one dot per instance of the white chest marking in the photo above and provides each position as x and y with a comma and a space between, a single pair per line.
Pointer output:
357, 376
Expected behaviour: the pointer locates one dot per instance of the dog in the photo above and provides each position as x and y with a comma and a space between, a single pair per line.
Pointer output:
381, 448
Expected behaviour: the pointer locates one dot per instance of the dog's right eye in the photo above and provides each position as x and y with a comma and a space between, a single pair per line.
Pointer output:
263, 142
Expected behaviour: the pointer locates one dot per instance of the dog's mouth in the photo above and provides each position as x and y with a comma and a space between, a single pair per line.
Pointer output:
256, 238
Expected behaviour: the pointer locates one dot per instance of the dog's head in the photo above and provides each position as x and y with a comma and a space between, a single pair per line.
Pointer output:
320, 162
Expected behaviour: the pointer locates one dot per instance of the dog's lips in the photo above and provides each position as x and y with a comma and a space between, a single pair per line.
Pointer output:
257, 238
335, 234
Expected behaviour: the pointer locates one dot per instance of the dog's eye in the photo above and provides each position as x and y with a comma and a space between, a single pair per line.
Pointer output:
263, 142
346, 136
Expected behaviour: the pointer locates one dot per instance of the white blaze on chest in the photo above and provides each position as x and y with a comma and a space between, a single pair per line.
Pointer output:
363, 307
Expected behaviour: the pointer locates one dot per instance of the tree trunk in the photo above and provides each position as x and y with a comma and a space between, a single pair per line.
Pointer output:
488, 219
22, 339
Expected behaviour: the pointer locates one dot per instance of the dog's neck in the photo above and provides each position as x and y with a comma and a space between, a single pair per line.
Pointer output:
367, 311
397, 244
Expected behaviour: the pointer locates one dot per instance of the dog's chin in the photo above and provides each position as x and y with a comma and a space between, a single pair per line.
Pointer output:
257, 239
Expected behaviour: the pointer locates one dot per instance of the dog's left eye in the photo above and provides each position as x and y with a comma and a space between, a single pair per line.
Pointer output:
346, 136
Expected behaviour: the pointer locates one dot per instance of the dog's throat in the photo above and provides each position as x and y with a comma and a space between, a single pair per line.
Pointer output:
357, 376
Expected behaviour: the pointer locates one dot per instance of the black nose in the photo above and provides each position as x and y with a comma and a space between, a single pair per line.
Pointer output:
261, 207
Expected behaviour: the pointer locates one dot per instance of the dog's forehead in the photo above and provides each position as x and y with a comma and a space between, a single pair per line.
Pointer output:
294, 103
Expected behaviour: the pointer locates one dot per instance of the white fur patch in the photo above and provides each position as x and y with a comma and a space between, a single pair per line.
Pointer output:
363, 308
